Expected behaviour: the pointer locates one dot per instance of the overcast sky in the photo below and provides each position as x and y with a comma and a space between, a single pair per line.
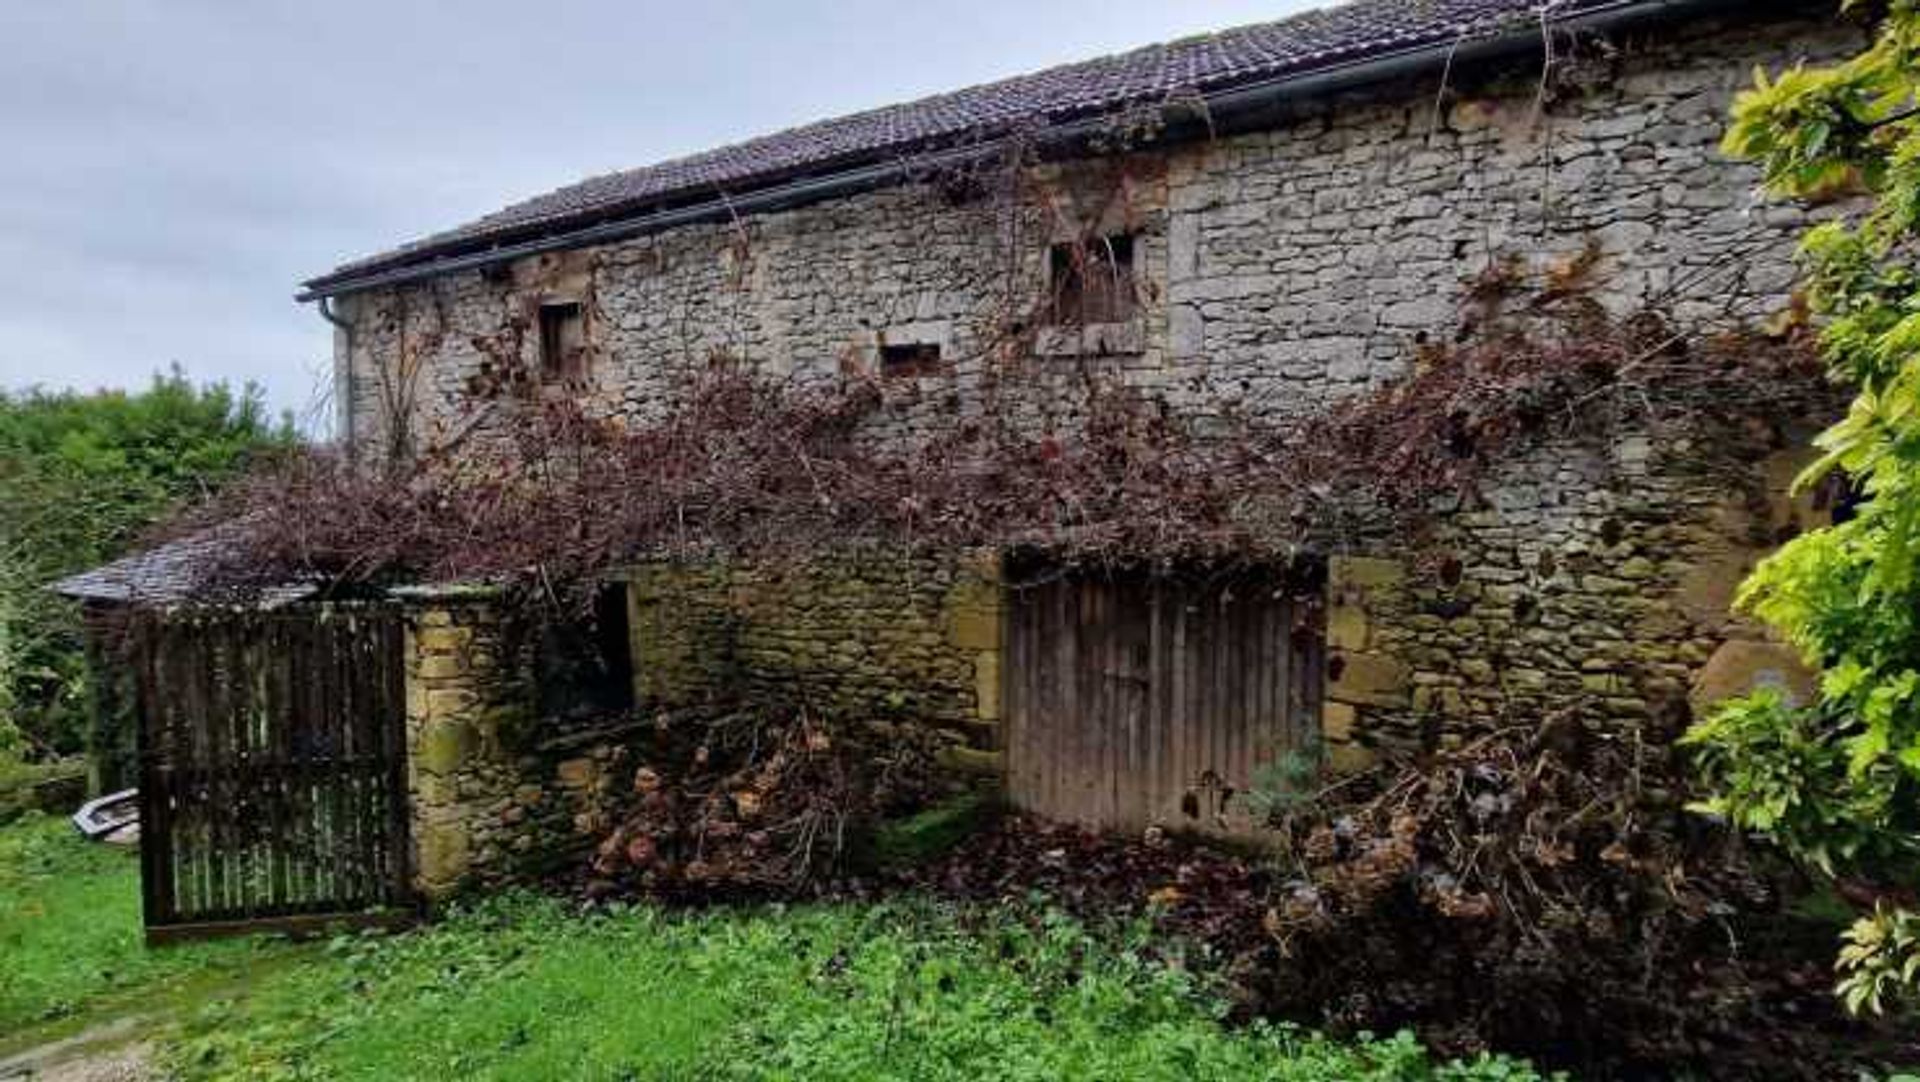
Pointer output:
171, 169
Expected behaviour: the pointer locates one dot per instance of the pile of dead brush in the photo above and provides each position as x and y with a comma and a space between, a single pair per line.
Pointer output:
1207, 894
1546, 893
1542, 893
770, 802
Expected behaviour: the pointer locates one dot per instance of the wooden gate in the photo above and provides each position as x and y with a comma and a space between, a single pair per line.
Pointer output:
1136, 698
273, 785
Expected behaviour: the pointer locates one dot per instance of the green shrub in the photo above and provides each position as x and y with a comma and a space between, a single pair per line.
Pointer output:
53, 787
81, 478
930, 834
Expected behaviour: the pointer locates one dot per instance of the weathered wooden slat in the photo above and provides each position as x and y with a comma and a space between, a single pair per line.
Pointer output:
272, 767
1133, 698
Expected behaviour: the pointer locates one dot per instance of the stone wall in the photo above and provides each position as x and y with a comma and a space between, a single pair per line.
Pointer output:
1289, 267
1591, 578
499, 794
879, 637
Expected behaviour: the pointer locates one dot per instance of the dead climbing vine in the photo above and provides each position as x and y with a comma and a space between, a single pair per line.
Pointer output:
740, 463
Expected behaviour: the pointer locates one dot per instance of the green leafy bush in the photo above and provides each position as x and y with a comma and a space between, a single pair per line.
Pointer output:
1837, 782
81, 477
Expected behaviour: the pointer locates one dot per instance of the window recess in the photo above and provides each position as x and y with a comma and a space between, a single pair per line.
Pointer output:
1092, 282
563, 341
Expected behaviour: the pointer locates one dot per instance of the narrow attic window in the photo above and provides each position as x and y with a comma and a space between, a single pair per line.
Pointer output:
563, 341
910, 360
1092, 282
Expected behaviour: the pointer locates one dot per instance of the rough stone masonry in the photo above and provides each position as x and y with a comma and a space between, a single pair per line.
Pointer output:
1286, 269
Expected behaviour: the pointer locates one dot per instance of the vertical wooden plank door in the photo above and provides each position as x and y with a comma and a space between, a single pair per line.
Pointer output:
272, 760
1137, 698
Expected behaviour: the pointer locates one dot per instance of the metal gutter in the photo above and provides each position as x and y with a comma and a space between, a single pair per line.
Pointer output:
1223, 107
345, 391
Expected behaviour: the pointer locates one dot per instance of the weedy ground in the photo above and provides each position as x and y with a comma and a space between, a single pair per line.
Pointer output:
525, 987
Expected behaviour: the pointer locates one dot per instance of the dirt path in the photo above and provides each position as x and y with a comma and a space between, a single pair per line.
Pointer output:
116, 1051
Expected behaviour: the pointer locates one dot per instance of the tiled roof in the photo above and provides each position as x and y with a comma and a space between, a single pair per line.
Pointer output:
1300, 45
169, 574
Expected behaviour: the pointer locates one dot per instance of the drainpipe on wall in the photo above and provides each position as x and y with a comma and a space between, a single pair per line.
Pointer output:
344, 382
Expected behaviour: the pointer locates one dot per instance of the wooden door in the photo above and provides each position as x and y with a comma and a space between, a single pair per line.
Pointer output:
1136, 698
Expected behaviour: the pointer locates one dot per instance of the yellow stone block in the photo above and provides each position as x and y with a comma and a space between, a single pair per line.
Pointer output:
578, 773
1367, 679
431, 790
442, 640
440, 666
986, 685
970, 761
971, 627
416, 699
1347, 627
1365, 572
445, 855
1349, 758
1435, 699
445, 745
1742, 666
1337, 721
445, 703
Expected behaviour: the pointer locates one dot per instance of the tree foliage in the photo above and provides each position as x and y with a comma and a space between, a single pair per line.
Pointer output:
81, 478
1837, 781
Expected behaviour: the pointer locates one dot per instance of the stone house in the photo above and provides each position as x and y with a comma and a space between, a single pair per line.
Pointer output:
1291, 210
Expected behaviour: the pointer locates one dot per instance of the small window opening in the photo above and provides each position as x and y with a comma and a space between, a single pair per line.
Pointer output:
1093, 282
563, 341
910, 360
586, 666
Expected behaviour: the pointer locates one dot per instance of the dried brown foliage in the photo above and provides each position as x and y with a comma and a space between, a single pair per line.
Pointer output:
741, 464
1541, 892
1544, 893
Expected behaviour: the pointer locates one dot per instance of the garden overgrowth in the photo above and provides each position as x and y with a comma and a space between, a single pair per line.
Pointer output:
71, 943
532, 988
525, 988
1542, 892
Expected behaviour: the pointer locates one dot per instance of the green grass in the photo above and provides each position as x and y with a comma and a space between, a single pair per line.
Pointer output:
70, 934
523, 987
